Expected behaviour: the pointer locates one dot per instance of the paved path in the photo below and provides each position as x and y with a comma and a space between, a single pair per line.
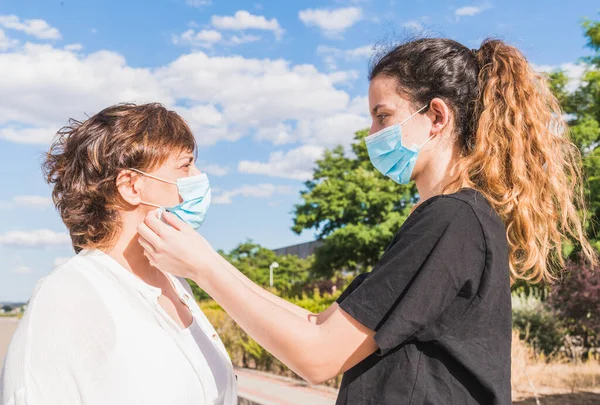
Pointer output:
259, 388
266, 389
7, 328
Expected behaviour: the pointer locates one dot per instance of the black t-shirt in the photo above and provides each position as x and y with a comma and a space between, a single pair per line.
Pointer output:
439, 303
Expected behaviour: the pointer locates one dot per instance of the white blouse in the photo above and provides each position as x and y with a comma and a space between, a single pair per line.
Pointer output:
95, 334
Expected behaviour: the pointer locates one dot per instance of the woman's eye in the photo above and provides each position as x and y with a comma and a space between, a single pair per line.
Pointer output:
382, 117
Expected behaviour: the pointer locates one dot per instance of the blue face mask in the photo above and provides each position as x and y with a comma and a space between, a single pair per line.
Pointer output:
389, 156
196, 195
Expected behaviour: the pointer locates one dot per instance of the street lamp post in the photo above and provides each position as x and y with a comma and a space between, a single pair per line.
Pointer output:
273, 265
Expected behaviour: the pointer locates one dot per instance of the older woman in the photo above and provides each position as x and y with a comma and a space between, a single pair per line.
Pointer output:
107, 327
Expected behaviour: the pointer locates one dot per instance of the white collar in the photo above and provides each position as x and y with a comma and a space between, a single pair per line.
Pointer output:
121, 272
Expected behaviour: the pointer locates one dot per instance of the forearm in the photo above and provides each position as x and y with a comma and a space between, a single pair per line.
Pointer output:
295, 341
298, 311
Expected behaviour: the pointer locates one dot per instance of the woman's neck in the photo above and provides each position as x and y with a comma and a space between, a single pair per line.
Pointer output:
129, 253
438, 174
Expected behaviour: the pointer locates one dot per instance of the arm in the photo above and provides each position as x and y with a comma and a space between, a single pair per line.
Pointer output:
316, 349
298, 311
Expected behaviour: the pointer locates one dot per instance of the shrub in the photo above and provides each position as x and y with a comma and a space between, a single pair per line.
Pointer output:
576, 300
537, 325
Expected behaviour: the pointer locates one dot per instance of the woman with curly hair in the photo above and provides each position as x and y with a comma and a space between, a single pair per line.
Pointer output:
107, 327
500, 189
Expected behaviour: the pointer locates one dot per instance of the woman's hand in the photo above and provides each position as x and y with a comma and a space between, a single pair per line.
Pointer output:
177, 249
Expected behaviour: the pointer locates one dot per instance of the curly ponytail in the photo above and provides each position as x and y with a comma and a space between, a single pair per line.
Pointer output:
524, 162
514, 142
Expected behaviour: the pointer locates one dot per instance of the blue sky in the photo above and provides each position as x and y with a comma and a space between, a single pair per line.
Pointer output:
265, 85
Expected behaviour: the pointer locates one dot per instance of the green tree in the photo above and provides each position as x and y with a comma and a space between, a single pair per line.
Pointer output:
582, 107
353, 208
253, 260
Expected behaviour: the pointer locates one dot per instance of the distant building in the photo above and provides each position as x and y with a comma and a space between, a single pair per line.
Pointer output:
12, 308
302, 250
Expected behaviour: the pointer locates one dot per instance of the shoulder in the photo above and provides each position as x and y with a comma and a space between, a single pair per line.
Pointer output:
462, 202
441, 211
67, 282
68, 298
451, 218
66, 328
66, 325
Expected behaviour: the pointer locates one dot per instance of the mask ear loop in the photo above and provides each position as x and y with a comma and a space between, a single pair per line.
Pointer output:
412, 115
152, 177
155, 178
415, 113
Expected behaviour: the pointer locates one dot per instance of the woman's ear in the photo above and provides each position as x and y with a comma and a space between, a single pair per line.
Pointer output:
439, 113
128, 185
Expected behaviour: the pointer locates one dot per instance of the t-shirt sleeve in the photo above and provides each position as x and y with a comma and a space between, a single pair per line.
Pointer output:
437, 254
353, 286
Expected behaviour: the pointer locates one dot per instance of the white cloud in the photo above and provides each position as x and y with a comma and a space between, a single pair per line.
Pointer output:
74, 47
198, 3
470, 11
314, 135
243, 20
39, 29
22, 270
573, 71
337, 129
215, 170
413, 25
209, 38
258, 91
467, 11
31, 135
27, 201
331, 55
6, 42
360, 52
60, 261
280, 134
223, 98
203, 39
207, 124
35, 238
255, 191
33, 201
43, 86
296, 164
359, 106
331, 22
243, 39
343, 77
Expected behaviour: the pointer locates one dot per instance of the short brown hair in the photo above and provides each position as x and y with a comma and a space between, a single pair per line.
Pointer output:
86, 157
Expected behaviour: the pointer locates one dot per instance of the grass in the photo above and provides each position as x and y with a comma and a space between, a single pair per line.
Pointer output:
554, 380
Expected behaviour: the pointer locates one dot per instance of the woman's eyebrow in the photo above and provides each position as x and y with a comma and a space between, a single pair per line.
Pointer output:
377, 107
189, 158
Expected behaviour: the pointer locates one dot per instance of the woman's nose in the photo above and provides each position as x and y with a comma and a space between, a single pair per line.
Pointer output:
194, 171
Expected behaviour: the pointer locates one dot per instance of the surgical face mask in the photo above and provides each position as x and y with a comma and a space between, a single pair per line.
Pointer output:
389, 156
196, 195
